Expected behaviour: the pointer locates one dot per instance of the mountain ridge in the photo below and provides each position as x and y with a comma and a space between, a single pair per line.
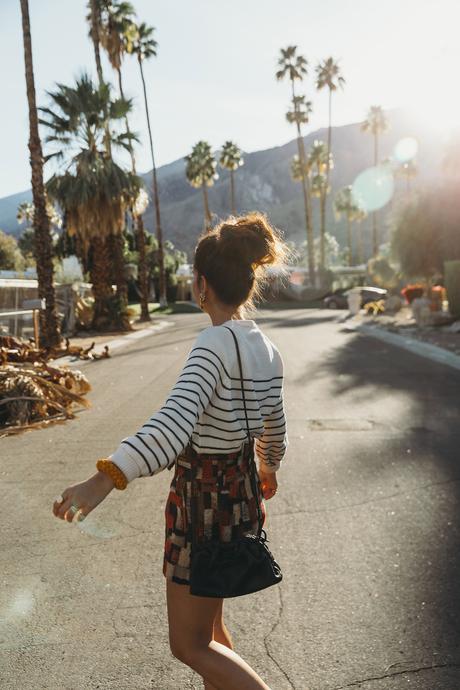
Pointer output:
263, 183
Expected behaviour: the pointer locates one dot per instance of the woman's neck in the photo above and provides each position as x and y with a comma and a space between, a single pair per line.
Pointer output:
219, 316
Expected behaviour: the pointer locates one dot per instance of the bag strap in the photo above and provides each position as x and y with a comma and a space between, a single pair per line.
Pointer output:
252, 463
241, 381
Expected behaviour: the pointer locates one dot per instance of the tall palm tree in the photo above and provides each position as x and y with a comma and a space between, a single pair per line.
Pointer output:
375, 123
346, 204
117, 31
49, 320
200, 171
328, 76
231, 159
320, 160
93, 191
114, 252
294, 67
115, 23
144, 46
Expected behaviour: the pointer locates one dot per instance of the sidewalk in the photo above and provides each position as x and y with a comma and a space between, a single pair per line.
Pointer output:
114, 341
412, 344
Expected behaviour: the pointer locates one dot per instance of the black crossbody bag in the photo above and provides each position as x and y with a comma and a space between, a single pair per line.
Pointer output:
243, 565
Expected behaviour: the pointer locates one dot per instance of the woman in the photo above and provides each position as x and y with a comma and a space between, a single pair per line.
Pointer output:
201, 431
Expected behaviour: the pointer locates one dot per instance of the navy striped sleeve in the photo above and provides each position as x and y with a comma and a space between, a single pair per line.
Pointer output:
166, 433
271, 446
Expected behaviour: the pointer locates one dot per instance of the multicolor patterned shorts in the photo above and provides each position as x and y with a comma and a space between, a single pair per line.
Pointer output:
226, 507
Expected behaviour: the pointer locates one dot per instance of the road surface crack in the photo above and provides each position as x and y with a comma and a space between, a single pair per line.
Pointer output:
274, 626
398, 673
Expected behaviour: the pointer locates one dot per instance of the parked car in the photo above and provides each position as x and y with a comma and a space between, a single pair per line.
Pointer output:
339, 298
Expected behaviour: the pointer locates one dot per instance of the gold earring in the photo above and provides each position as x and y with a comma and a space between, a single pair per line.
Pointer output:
202, 299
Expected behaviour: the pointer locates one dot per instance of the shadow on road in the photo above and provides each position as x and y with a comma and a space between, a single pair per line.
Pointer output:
284, 322
430, 428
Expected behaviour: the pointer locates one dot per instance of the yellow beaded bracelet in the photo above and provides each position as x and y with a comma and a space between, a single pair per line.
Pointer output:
109, 467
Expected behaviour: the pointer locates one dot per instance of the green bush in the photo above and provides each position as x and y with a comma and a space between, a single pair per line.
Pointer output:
452, 278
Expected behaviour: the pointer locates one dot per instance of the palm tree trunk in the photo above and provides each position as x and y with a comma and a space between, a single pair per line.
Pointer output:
115, 257
95, 38
103, 318
307, 206
307, 200
139, 230
323, 197
128, 131
143, 270
360, 245
232, 190
207, 212
350, 242
49, 321
156, 200
322, 241
95, 22
375, 230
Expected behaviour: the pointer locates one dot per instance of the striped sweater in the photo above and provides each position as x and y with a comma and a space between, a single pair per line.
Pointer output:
205, 406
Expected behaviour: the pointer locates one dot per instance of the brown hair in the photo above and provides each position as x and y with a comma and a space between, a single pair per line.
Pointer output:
233, 256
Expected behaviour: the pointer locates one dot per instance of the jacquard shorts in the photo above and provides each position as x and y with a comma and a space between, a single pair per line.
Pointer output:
226, 506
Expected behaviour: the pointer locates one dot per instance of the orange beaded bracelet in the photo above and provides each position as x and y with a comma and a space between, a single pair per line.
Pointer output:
109, 467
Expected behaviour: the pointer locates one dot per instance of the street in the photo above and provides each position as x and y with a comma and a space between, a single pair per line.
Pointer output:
364, 525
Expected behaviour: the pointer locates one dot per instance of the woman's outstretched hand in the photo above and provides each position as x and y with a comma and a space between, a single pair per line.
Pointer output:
85, 496
269, 483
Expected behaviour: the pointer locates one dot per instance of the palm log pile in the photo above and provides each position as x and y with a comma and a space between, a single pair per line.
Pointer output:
35, 394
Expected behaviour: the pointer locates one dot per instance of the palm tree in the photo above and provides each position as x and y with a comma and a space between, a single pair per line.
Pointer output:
114, 252
200, 171
231, 159
144, 46
320, 160
117, 31
115, 22
375, 123
327, 75
294, 67
346, 204
49, 320
93, 191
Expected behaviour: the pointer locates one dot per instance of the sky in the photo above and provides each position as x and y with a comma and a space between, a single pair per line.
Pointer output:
213, 77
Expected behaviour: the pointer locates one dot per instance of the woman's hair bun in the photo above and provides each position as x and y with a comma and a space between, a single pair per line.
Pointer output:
252, 239
233, 255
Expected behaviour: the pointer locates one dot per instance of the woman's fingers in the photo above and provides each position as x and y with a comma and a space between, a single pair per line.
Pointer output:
63, 508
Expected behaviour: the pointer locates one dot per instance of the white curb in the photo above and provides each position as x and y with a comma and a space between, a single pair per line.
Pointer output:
433, 352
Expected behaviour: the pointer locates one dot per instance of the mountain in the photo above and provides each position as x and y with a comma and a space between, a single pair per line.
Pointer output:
263, 183
8, 210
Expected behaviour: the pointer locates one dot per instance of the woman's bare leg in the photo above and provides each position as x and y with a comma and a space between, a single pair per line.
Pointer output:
191, 625
220, 634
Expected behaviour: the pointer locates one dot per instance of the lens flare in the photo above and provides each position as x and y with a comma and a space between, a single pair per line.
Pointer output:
374, 187
406, 149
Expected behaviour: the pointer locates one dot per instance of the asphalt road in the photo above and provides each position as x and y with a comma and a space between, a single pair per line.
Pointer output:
365, 526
